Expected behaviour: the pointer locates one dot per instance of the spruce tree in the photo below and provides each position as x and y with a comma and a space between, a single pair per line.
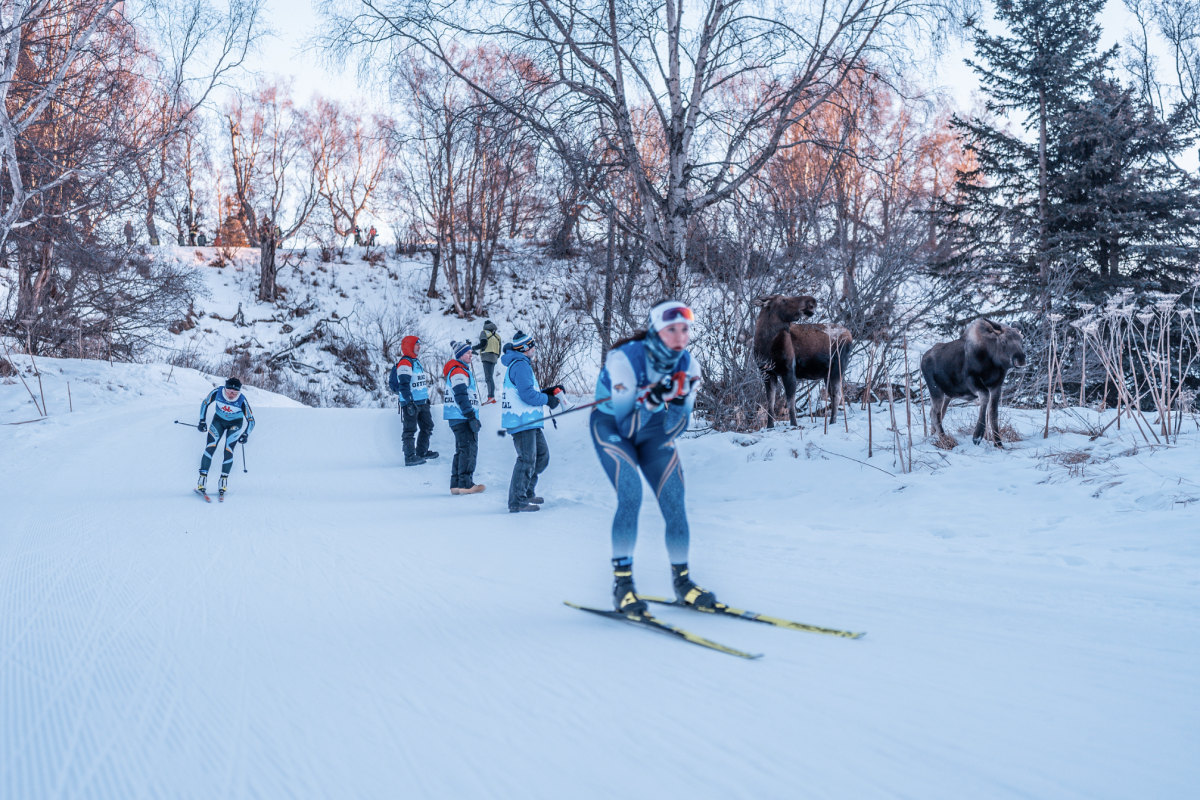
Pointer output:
1042, 67
1121, 202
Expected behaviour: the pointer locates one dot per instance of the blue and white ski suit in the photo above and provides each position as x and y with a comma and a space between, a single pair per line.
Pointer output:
629, 434
227, 421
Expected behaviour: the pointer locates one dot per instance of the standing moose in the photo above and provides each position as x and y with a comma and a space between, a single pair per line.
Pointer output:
788, 352
973, 366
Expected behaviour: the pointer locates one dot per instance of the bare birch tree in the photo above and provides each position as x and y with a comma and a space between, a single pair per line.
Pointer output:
606, 58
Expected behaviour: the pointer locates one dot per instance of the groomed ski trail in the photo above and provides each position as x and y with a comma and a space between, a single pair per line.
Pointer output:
350, 629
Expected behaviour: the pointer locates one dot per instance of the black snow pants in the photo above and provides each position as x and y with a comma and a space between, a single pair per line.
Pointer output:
533, 456
466, 448
230, 429
489, 374
423, 419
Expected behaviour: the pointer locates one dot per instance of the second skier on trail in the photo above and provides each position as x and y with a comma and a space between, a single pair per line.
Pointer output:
231, 409
649, 384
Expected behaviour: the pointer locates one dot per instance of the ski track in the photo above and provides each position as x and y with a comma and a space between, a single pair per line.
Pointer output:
342, 627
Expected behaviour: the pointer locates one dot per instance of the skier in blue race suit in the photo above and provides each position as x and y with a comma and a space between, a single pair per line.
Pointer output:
231, 409
648, 385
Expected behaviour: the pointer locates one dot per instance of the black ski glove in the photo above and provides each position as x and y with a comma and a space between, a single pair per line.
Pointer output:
245, 437
474, 424
410, 410
202, 427
690, 385
552, 400
655, 394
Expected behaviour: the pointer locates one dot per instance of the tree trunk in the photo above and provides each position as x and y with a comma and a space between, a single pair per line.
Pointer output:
1043, 192
267, 289
609, 269
437, 260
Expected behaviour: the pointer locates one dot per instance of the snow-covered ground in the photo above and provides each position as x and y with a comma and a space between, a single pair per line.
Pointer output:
342, 627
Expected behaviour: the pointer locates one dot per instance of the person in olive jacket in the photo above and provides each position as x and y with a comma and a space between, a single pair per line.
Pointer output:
488, 348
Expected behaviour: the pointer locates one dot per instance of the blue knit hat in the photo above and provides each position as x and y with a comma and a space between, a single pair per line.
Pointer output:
522, 342
460, 349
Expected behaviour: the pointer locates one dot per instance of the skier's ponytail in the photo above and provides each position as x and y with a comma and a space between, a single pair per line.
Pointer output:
637, 336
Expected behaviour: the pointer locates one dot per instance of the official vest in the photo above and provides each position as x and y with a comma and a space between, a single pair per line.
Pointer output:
420, 379
450, 409
516, 414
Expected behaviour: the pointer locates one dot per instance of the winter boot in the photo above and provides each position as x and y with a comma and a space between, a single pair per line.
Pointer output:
455, 490
415, 461
476, 489
429, 455
688, 592
200, 485
537, 501
625, 597
223, 485
526, 507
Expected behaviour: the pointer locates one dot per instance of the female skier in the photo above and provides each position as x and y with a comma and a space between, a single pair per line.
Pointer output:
231, 409
648, 385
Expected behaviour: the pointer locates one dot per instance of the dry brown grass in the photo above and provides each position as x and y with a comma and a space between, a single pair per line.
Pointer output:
945, 442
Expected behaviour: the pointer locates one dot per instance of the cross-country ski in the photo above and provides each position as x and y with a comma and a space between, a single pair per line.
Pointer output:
654, 624
720, 609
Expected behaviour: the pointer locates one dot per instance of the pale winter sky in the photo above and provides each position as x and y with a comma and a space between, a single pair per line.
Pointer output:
296, 21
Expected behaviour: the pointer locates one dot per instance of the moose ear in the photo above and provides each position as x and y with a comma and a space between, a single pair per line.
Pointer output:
764, 300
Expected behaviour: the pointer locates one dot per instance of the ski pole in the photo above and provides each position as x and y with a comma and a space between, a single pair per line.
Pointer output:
190, 425
244, 459
504, 431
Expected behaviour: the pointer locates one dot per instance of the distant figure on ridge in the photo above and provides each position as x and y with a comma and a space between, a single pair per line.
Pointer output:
231, 409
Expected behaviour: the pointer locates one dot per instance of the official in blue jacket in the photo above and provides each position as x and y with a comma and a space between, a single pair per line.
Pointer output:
522, 403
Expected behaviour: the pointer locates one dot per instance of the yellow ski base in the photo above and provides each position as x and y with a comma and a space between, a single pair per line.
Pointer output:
651, 623
725, 611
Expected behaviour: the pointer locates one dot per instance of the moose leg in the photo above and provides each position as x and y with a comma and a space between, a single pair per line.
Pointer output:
834, 387
789, 394
994, 415
980, 425
937, 408
770, 383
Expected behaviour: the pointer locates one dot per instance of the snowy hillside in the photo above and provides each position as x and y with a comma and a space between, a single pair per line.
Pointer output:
327, 335
343, 627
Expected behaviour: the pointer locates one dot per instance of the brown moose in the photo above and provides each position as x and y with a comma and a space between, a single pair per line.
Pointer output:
798, 352
973, 366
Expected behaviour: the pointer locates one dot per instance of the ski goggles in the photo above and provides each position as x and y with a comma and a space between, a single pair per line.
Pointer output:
665, 314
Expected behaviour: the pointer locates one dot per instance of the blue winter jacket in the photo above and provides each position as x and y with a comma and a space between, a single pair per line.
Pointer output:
522, 403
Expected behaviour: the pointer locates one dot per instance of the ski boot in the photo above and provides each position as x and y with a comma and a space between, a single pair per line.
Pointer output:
625, 597
201, 488
689, 593
222, 486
